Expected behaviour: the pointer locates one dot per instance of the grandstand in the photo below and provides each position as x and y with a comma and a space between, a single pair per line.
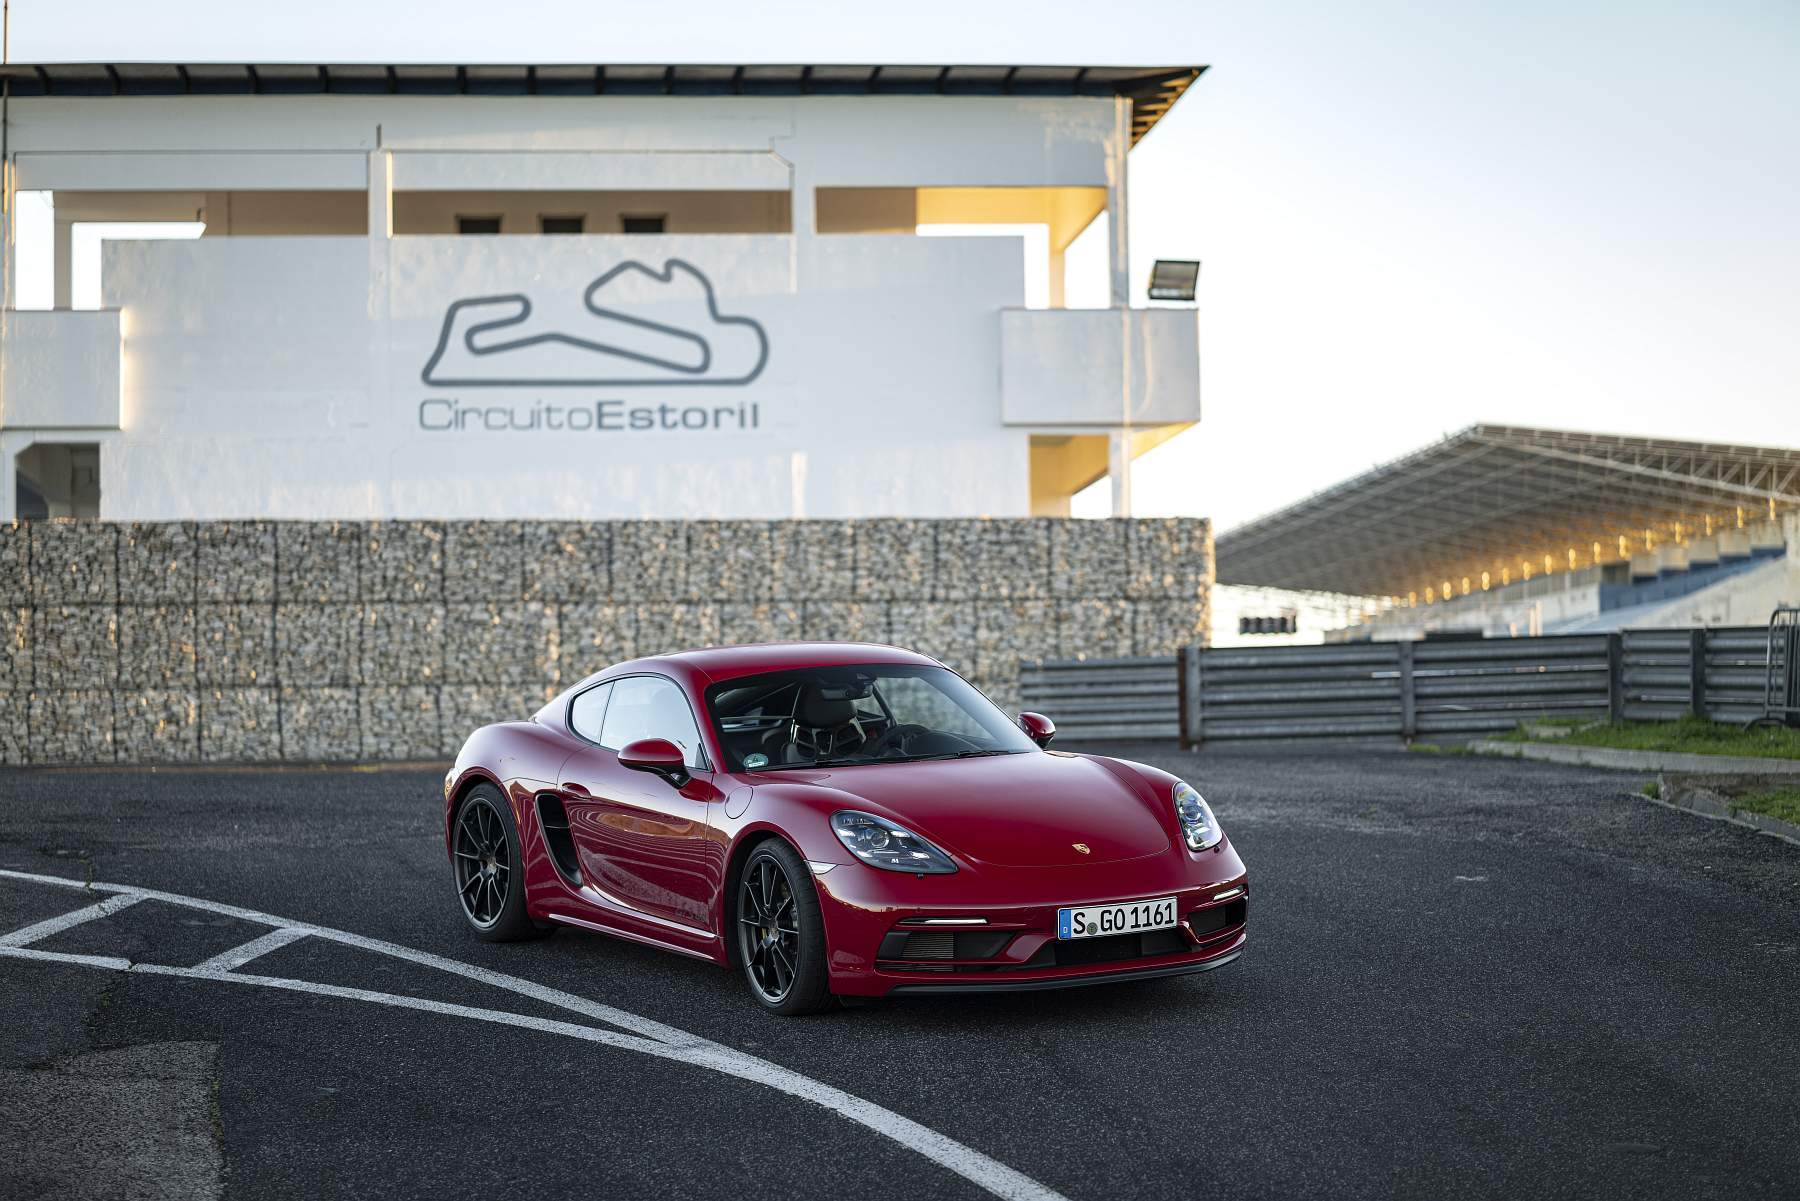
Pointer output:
1500, 530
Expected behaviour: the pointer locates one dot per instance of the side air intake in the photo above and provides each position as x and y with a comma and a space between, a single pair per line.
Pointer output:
553, 820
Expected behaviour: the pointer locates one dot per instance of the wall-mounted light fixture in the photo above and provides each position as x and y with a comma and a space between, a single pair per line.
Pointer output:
1174, 279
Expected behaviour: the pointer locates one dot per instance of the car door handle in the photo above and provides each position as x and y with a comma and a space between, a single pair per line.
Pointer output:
576, 790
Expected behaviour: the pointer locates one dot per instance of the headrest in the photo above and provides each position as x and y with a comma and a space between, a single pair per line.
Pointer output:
822, 712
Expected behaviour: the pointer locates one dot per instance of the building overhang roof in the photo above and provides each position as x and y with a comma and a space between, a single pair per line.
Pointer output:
1493, 498
1153, 90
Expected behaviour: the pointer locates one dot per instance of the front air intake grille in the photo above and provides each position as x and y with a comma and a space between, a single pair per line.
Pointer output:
943, 944
1081, 951
1204, 922
938, 944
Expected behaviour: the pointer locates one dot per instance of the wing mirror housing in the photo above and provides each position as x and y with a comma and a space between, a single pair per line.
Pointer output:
658, 756
1037, 727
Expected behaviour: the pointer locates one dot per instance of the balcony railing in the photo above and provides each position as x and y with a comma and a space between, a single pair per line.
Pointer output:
61, 369
1099, 367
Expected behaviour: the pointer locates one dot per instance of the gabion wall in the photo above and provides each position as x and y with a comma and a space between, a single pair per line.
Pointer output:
319, 641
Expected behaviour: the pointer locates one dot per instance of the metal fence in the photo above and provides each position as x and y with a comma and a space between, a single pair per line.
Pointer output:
1109, 699
1405, 689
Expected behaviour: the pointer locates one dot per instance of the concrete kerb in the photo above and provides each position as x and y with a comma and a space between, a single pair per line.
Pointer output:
1711, 796
1640, 761
1699, 784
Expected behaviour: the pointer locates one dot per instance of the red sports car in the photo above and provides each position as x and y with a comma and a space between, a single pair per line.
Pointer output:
839, 821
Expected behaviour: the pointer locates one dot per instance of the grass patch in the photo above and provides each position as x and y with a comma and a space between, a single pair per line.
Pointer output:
1437, 748
1780, 803
1689, 735
1652, 789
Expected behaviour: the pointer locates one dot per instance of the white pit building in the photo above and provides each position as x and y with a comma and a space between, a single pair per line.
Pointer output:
579, 292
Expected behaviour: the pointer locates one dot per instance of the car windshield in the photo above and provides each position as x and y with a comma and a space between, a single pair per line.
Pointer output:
860, 713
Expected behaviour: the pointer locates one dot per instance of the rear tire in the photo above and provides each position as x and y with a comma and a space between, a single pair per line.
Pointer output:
487, 868
780, 932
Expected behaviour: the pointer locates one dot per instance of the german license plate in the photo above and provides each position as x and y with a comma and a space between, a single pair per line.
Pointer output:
1097, 921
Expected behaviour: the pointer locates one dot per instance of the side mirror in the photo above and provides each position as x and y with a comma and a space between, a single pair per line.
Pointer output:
658, 756
1037, 727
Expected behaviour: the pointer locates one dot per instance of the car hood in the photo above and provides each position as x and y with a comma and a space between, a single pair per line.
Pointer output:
1025, 810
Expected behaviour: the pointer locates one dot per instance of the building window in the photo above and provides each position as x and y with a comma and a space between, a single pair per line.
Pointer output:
642, 224
57, 479
561, 225
477, 225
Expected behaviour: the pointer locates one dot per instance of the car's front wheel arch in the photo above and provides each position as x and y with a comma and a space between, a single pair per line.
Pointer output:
734, 875
771, 886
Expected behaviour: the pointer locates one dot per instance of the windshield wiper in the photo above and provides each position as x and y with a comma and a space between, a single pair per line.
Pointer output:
826, 762
971, 754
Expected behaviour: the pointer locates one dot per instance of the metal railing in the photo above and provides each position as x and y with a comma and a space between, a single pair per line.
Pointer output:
1104, 699
1409, 689
1781, 667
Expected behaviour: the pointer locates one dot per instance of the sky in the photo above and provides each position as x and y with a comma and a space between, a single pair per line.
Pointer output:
1412, 216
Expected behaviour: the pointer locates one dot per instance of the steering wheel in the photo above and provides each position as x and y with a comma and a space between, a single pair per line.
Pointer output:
895, 738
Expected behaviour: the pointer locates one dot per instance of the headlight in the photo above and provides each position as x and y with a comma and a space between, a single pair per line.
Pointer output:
1198, 825
880, 843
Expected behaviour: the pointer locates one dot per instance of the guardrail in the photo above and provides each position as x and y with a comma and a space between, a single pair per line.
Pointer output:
1404, 689
1110, 699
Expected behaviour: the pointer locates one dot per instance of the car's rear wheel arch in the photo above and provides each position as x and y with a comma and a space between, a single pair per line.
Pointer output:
496, 840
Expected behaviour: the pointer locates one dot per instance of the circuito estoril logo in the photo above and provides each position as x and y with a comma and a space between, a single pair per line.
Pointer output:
639, 327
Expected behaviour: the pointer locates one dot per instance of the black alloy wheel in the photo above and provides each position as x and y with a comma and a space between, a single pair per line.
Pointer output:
780, 932
484, 852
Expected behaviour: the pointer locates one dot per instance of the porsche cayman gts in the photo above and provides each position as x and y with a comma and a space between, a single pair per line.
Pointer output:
836, 821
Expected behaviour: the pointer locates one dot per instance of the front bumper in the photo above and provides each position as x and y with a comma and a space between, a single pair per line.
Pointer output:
1114, 977
888, 932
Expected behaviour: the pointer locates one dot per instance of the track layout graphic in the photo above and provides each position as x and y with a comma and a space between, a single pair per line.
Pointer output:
606, 1025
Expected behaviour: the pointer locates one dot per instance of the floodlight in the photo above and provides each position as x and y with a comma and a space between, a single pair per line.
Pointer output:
1174, 279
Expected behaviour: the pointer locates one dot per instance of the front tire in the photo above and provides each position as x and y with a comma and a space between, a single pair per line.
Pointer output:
488, 869
781, 933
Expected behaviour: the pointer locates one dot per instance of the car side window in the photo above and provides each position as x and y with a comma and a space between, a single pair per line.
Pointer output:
650, 707
587, 711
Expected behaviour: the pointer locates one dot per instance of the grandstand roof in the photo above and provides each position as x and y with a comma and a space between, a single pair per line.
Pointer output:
1495, 498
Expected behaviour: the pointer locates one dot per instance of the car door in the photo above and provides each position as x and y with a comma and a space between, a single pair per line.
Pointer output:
640, 842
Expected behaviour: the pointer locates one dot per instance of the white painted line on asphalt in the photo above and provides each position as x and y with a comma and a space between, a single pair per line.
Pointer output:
56, 925
525, 988
106, 961
237, 957
652, 1037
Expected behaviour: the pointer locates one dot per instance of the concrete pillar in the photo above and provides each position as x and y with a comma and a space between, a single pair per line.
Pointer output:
380, 241
1118, 260
9, 481
1118, 468
1118, 247
381, 194
802, 211
61, 254
803, 202
1703, 552
1766, 537
1644, 565
1733, 544
1671, 558
9, 201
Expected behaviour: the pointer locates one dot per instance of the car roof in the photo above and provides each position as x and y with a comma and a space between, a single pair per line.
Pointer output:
728, 662
703, 666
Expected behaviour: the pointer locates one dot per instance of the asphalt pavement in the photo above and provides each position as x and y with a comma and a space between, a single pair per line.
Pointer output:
1465, 978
